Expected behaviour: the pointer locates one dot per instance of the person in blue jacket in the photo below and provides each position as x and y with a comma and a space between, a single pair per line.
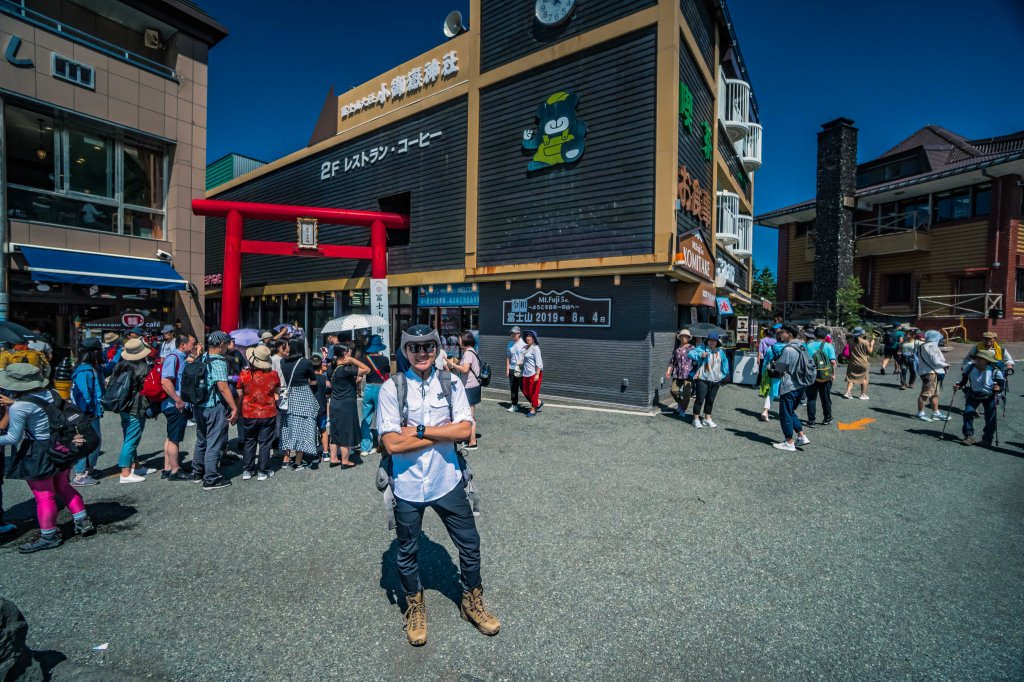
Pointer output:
712, 366
86, 392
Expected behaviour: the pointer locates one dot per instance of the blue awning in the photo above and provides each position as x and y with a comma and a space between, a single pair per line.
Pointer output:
77, 267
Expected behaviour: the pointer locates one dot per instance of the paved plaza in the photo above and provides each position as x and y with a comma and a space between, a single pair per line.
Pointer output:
615, 546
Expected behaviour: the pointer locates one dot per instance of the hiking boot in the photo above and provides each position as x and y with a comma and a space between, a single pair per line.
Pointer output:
475, 612
416, 619
51, 541
84, 527
968, 440
986, 442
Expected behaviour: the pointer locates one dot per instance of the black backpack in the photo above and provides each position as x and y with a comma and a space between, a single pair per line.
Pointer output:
484, 377
120, 390
66, 422
195, 381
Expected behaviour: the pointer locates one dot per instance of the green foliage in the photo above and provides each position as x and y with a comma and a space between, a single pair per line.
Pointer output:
764, 284
848, 299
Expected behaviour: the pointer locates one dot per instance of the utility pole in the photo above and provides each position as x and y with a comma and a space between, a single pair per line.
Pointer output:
3, 219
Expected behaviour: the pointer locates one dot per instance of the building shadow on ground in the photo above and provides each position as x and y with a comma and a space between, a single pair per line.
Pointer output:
437, 572
109, 518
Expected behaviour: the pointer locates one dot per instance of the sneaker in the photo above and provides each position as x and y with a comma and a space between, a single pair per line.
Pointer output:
827, 422
923, 417
968, 440
697, 424
847, 396
788, 447
219, 483
810, 424
882, 372
179, 475
325, 457
513, 408
763, 417
939, 417
300, 467
132, 478
84, 527
51, 541
803, 440
143, 471
264, 475
196, 477
474, 446
246, 475
191, 422
82, 480
864, 397
6, 528
710, 423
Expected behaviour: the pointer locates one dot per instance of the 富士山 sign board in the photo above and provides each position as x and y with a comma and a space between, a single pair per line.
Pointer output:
557, 309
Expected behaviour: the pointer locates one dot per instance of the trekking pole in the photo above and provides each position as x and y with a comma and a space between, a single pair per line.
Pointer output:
948, 413
1006, 389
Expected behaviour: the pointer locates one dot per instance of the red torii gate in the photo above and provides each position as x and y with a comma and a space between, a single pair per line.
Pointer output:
235, 213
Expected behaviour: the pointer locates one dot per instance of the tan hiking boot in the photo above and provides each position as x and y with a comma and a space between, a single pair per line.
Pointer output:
416, 619
475, 612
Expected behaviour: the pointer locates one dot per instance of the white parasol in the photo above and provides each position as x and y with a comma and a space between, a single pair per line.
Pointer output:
351, 322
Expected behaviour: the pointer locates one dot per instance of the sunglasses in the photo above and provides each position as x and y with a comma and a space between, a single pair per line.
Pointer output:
421, 347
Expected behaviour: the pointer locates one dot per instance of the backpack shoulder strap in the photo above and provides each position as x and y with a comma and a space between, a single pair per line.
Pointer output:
402, 394
446, 387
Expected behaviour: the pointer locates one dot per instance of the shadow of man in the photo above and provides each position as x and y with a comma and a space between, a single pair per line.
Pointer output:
437, 572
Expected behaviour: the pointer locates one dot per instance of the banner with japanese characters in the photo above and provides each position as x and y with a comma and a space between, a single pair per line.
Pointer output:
557, 309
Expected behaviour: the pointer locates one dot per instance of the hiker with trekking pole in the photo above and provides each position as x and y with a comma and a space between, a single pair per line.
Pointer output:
982, 384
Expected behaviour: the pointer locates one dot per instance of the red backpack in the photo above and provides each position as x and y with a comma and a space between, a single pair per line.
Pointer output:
152, 387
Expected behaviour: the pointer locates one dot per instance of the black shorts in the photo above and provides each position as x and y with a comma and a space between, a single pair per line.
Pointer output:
889, 352
177, 420
473, 395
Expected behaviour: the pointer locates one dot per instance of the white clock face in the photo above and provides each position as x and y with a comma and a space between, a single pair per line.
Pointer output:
554, 12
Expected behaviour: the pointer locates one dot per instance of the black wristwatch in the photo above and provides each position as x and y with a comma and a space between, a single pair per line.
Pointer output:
421, 431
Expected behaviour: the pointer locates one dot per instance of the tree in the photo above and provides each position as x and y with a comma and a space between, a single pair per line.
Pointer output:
848, 299
764, 284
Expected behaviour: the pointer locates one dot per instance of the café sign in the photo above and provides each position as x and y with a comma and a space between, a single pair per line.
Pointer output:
694, 255
557, 309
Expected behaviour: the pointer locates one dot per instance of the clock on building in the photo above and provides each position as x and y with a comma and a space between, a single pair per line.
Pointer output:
554, 12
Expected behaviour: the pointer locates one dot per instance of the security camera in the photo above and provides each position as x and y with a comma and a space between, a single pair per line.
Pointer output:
163, 255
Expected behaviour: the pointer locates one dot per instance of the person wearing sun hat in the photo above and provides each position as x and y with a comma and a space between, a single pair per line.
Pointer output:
989, 342
982, 384
861, 349
29, 432
134, 360
258, 386
680, 371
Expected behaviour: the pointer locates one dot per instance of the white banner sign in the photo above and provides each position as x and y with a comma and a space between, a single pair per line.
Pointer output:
379, 307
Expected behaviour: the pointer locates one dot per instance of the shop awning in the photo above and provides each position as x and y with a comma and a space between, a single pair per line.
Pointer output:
78, 267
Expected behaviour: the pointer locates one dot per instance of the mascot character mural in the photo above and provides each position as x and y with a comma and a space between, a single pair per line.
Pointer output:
560, 138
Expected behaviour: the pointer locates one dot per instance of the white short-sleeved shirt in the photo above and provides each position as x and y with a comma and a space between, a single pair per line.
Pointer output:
432, 472
532, 361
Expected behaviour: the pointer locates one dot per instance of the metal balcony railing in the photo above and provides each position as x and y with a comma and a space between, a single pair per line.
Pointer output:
749, 148
734, 106
973, 306
745, 232
88, 40
728, 231
880, 226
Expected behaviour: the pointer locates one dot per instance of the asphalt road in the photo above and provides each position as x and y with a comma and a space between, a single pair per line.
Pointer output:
615, 546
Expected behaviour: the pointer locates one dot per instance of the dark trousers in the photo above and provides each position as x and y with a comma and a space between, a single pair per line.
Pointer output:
823, 390
257, 432
788, 403
211, 435
514, 383
907, 373
990, 403
3, 465
704, 400
681, 390
457, 517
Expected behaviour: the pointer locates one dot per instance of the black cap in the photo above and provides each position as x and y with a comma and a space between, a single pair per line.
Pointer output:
820, 333
91, 343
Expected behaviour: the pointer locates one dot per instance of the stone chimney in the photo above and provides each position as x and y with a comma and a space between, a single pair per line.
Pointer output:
834, 206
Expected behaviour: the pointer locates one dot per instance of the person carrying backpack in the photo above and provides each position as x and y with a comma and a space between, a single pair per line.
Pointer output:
424, 471
823, 355
30, 432
796, 370
132, 369
711, 366
87, 394
469, 372
204, 383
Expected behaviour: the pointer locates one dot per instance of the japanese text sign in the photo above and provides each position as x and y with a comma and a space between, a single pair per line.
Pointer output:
557, 309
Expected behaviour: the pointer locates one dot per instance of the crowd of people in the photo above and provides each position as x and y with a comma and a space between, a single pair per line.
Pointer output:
304, 408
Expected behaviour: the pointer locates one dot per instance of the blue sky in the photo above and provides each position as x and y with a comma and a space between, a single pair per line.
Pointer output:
891, 65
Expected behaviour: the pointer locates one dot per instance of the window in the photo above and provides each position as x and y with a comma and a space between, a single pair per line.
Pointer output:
66, 173
1020, 284
802, 229
982, 198
913, 213
397, 203
803, 291
953, 205
897, 288
74, 72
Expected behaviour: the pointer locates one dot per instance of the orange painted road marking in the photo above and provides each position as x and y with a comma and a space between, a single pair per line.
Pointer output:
858, 425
